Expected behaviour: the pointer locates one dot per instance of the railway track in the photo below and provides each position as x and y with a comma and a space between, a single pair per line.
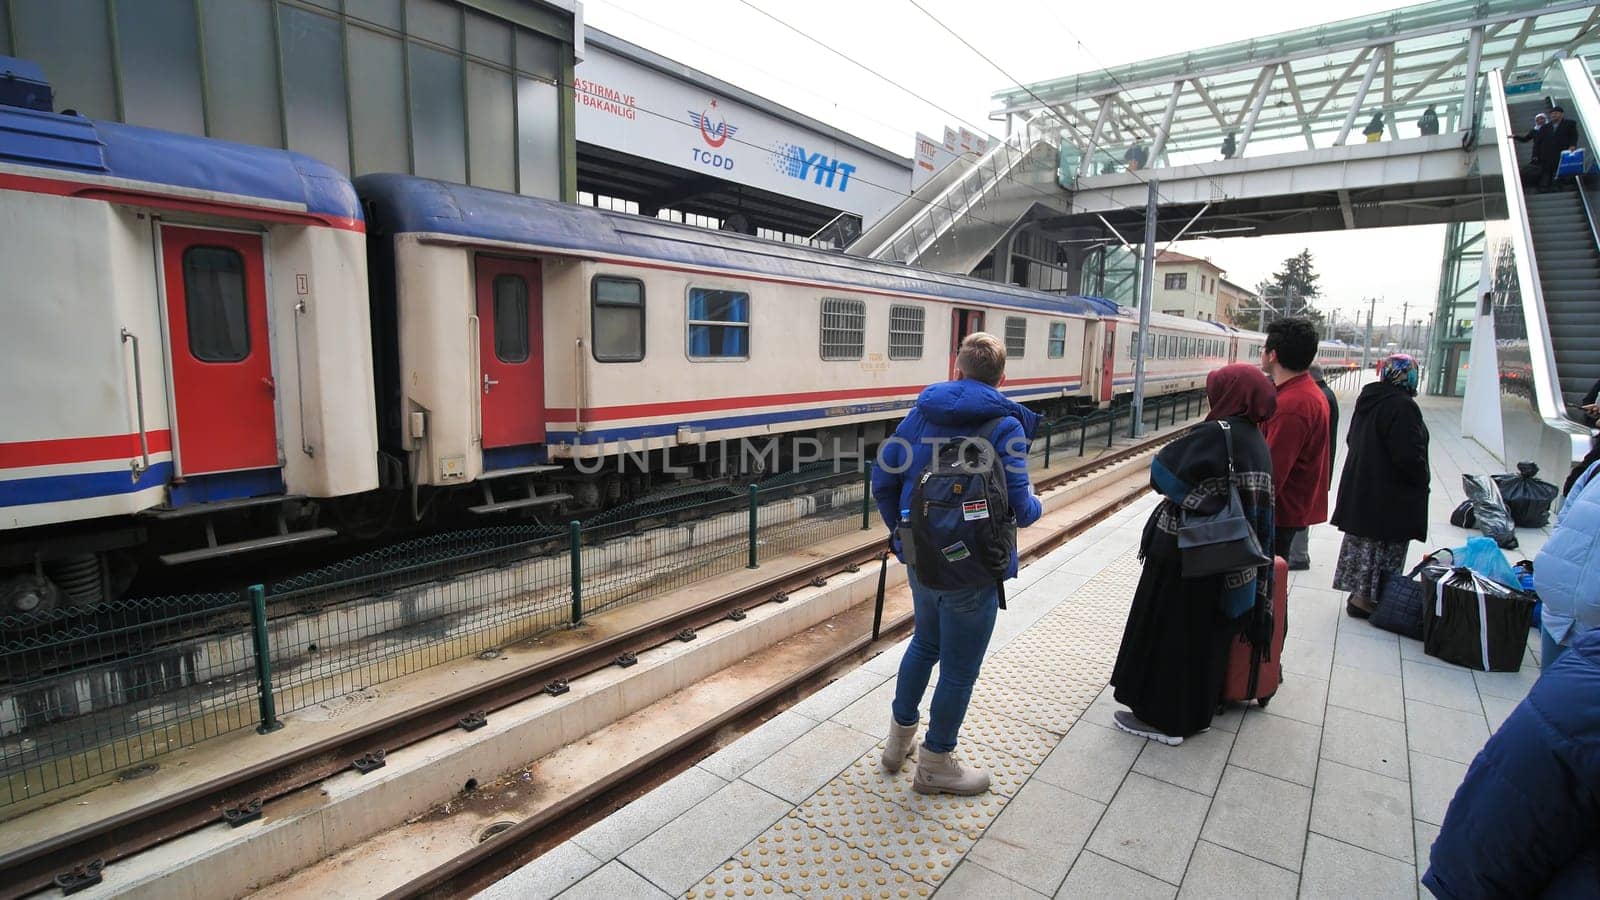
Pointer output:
79, 855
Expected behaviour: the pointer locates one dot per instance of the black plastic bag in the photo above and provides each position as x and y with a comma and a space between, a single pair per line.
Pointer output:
1462, 517
1527, 497
1489, 509
1472, 621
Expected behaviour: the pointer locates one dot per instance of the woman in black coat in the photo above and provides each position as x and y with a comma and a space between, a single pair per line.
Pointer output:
1383, 496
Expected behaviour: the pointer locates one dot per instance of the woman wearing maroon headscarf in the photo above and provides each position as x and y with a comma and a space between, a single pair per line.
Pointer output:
1174, 652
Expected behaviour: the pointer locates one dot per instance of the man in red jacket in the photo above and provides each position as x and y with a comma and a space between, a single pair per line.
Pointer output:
1297, 434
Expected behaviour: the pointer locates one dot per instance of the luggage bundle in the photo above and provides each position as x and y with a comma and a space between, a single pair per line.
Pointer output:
1497, 504
1473, 621
1527, 498
1488, 509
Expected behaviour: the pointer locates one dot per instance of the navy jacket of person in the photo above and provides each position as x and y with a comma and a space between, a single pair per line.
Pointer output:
953, 409
1526, 820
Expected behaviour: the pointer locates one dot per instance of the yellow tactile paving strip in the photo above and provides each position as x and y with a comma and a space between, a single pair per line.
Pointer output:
868, 834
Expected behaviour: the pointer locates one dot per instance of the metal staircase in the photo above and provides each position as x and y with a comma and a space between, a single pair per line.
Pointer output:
951, 223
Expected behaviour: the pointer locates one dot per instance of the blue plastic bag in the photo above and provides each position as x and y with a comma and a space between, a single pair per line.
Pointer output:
1571, 163
1482, 555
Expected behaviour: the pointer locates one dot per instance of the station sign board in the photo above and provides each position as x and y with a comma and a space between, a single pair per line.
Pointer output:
625, 106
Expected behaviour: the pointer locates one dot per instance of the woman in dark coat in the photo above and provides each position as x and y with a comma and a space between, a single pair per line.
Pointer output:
1174, 650
1383, 495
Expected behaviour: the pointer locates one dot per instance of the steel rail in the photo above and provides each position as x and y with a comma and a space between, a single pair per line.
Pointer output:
36, 866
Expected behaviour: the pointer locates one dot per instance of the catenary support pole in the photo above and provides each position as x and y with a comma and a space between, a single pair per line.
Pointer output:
1146, 300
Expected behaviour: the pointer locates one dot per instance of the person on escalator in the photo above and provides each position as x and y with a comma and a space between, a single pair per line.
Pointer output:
1530, 172
1559, 136
1429, 123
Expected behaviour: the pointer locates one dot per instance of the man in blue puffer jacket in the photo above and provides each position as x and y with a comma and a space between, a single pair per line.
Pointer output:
1564, 570
952, 627
1526, 820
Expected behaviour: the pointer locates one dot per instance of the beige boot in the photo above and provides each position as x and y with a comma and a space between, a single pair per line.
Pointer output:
939, 773
902, 743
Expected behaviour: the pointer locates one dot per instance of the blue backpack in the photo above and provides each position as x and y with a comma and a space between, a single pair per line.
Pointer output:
962, 530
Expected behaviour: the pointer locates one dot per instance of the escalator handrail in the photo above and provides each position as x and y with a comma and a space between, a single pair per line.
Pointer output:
1586, 108
1541, 352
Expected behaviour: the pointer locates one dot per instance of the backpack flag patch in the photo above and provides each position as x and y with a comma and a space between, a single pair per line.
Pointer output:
974, 509
956, 552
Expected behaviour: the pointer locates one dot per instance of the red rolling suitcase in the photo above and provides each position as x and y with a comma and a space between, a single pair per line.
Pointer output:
1254, 673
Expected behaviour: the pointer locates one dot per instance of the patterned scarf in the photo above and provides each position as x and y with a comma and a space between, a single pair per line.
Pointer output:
1400, 370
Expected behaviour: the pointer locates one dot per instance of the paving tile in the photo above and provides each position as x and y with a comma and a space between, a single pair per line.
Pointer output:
1379, 655
563, 866
1104, 707
636, 821
1426, 835
1368, 692
1507, 685
888, 662
1053, 716
1091, 761
1363, 808
1365, 741
841, 693
812, 760
1230, 717
1446, 733
750, 749
971, 881
1434, 782
915, 844
733, 881
1277, 746
1038, 835
1095, 876
1448, 687
1010, 736
870, 714
1336, 869
803, 860
840, 803
1496, 710
1218, 873
1303, 656
1151, 826
1259, 816
1195, 764
611, 881
1300, 698
680, 853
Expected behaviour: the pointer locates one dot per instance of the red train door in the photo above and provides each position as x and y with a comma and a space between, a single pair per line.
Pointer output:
1108, 363
962, 323
223, 392
510, 351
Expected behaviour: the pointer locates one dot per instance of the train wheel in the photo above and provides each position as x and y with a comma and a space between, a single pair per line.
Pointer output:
28, 594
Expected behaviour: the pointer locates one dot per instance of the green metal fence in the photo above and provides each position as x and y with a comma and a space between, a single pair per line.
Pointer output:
108, 689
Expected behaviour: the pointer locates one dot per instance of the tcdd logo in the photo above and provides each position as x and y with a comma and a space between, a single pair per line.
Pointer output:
793, 161
716, 133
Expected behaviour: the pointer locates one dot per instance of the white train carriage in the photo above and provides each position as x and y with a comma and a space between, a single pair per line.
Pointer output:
1179, 352
185, 336
1337, 356
538, 343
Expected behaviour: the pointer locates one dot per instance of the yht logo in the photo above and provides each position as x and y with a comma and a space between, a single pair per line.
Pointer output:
713, 126
793, 161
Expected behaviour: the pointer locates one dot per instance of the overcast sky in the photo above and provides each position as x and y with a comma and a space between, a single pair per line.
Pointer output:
893, 42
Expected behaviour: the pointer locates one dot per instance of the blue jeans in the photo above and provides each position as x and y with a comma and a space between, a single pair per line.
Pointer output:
952, 629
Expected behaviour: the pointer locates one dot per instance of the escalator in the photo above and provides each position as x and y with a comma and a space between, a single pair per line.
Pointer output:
1541, 281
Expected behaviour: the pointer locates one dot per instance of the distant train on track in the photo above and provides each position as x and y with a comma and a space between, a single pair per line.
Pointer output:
213, 349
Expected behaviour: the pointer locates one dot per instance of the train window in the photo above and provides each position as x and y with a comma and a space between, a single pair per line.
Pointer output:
719, 324
1058, 340
905, 332
1161, 346
1133, 346
1016, 336
844, 328
214, 304
616, 316
511, 318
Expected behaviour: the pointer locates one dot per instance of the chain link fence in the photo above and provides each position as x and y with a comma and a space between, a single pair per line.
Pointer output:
90, 691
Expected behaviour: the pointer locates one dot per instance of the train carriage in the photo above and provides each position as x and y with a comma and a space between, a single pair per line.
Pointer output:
530, 343
185, 352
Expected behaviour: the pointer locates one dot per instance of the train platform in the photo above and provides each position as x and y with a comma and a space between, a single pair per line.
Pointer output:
1336, 788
